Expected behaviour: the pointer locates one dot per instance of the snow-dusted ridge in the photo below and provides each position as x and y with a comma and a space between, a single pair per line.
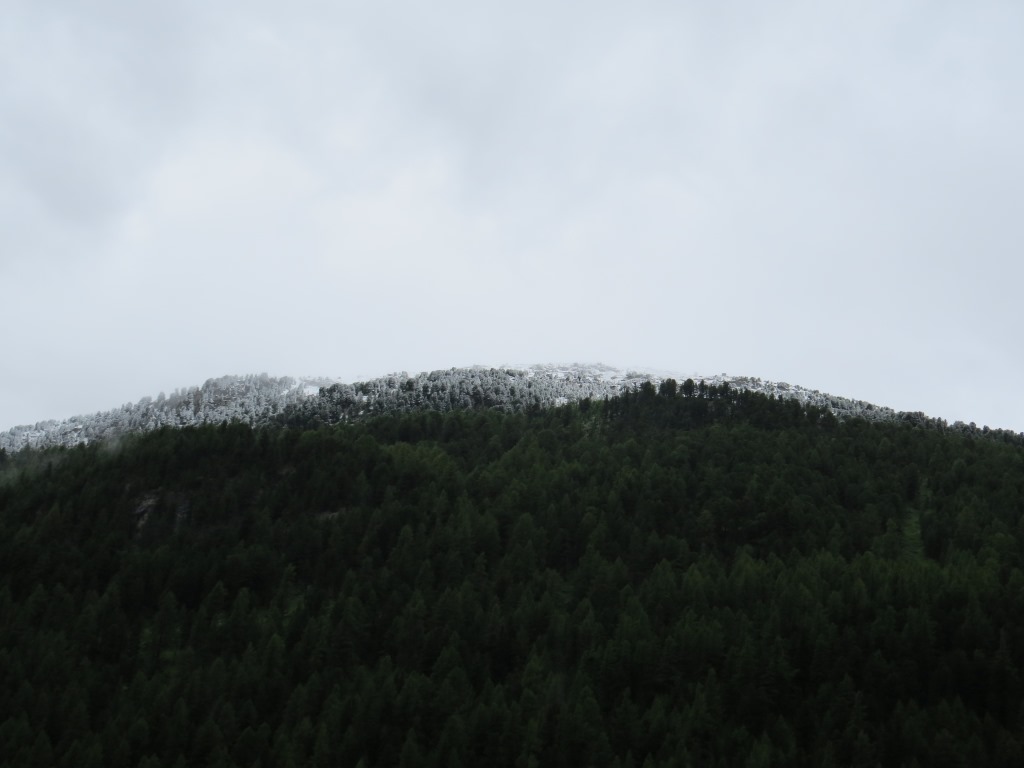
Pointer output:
252, 398
262, 399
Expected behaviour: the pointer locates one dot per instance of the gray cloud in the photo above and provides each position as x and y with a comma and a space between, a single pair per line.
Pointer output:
820, 194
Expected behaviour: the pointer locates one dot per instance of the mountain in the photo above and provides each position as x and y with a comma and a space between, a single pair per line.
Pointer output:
676, 575
261, 400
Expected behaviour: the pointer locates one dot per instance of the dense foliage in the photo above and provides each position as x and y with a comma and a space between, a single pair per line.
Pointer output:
263, 401
678, 576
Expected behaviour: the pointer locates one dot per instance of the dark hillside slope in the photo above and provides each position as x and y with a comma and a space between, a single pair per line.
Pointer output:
663, 578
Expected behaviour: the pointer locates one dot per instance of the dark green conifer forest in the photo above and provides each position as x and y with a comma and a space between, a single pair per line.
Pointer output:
682, 576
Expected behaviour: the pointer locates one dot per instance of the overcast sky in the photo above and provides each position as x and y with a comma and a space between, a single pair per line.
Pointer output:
824, 193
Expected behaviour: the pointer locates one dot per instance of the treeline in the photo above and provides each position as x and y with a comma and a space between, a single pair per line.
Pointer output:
501, 389
674, 576
252, 399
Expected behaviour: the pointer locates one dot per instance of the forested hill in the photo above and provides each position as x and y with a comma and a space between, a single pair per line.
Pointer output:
265, 400
684, 577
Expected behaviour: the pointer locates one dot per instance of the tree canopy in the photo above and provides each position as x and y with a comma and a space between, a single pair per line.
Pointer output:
682, 575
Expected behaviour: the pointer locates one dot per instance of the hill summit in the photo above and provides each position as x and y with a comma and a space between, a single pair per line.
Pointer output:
260, 400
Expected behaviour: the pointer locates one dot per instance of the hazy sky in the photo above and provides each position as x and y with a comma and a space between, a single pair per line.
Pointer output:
825, 193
